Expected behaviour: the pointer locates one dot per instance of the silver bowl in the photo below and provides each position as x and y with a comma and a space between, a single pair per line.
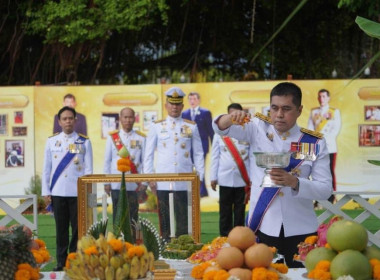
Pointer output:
271, 160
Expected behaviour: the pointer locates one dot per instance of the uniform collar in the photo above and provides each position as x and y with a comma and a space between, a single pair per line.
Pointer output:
171, 119
71, 135
124, 133
291, 132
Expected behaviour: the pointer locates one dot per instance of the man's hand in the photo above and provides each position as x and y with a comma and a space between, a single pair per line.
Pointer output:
235, 117
282, 178
107, 189
213, 184
47, 199
153, 187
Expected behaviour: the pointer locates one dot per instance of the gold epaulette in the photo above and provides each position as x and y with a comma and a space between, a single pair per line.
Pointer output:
140, 133
188, 121
312, 133
263, 117
84, 136
55, 134
159, 121
113, 132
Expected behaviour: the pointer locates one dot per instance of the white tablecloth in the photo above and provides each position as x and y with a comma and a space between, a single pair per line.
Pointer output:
293, 274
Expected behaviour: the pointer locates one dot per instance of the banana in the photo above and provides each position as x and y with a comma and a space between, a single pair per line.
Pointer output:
115, 262
120, 274
101, 243
72, 275
103, 260
110, 236
126, 269
144, 264
100, 273
135, 268
94, 261
109, 273
87, 241
89, 271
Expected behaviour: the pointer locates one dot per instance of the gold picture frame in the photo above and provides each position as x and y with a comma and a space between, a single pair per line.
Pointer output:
86, 198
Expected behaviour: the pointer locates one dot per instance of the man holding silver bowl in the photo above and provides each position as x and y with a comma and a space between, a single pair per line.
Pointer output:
290, 170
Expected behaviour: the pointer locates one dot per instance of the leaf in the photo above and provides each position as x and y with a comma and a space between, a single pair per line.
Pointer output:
370, 27
374, 162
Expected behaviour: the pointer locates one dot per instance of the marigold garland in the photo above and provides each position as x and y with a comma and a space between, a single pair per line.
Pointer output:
321, 271
261, 273
136, 251
280, 267
311, 239
221, 275
70, 256
124, 164
116, 244
209, 275
198, 270
375, 268
40, 243
26, 272
91, 251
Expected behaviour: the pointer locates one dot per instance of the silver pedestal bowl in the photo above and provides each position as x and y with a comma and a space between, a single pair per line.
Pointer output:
269, 160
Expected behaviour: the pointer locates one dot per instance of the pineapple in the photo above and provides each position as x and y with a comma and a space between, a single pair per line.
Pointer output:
21, 244
8, 263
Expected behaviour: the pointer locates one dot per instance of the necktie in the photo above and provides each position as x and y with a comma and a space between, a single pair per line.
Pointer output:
192, 114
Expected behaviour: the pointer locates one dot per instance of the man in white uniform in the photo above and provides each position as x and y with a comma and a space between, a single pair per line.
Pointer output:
326, 120
134, 142
229, 169
172, 139
68, 155
282, 216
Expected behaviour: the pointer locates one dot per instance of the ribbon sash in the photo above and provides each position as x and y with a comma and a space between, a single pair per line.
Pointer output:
64, 162
119, 145
324, 121
239, 162
268, 194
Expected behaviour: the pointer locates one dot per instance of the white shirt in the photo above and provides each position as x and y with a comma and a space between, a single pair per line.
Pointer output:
294, 210
172, 139
135, 144
224, 169
331, 127
56, 148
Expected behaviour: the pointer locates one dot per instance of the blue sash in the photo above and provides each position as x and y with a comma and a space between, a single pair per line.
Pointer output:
269, 194
64, 162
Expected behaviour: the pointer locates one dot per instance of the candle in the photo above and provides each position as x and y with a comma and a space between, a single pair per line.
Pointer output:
171, 214
104, 206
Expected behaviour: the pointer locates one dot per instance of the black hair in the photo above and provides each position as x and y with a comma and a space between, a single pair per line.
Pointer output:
285, 89
324, 90
67, 108
236, 106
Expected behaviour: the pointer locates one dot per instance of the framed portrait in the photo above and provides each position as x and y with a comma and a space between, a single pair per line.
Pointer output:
137, 117
19, 131
3, 124
149, 117
369, 135
187, 202
14, 153
18, 117
372, 113
110, 121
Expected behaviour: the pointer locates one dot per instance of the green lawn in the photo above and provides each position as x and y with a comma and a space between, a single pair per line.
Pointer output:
209, 228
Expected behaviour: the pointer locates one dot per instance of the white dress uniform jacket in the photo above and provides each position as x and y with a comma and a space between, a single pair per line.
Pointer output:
330, 128
223, 166
292, 209
135, 144
172, 139
56, 148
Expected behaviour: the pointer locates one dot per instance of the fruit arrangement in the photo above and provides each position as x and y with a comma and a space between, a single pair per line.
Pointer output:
241, 257
345, 254
181, 248
20, 253
107, 259
208, 251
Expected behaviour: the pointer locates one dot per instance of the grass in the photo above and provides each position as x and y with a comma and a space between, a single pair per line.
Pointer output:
209, 228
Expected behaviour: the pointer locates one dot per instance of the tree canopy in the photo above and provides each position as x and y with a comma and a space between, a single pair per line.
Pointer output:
145, 41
